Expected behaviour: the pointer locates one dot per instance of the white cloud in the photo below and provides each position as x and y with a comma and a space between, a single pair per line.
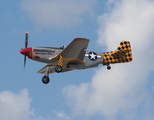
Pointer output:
63, 13
122, 89
62, 115
15, 106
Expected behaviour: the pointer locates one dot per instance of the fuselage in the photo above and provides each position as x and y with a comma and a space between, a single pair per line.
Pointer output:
45, 54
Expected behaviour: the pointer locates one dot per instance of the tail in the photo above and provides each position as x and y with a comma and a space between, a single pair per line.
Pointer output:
123, 54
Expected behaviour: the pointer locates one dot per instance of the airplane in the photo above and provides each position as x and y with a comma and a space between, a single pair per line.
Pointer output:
74, 56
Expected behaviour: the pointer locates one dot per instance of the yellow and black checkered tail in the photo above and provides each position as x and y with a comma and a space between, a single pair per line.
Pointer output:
123, 54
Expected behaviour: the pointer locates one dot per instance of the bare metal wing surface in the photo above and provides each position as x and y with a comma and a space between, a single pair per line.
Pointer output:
74, 52
43, 70
51, 69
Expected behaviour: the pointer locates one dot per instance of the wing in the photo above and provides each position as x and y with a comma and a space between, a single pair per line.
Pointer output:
74, 52
43, 70
51, 69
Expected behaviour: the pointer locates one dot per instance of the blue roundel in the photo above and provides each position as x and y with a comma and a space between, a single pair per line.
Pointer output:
92, 56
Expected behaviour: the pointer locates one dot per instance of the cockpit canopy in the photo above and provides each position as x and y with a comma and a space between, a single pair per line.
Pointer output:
63, 47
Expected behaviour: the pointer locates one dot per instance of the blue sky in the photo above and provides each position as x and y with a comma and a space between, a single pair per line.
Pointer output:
124, 93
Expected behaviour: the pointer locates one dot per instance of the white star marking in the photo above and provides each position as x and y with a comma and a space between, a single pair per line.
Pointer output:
93, 56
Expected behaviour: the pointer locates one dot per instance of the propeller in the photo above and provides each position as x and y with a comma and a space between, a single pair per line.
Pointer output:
26, 44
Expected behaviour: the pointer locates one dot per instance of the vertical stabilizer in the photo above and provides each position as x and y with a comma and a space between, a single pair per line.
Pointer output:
123, 54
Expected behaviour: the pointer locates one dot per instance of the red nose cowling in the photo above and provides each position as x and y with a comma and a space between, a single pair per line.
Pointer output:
27, 52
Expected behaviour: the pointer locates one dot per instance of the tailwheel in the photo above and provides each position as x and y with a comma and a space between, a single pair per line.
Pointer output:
45, 79
108, 67
58, 69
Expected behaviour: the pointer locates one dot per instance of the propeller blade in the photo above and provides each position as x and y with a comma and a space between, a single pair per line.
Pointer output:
26, 40
26, 45
24, 61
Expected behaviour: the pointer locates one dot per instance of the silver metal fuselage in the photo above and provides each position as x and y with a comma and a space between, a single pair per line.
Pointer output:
45, 54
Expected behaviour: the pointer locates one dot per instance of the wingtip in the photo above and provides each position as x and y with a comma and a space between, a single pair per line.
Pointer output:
81, 39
